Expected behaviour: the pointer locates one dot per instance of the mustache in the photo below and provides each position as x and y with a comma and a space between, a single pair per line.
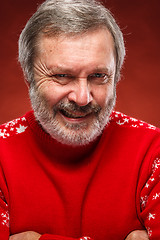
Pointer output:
72, 106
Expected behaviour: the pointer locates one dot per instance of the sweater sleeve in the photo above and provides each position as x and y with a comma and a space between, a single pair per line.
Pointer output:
150, 202
4, 218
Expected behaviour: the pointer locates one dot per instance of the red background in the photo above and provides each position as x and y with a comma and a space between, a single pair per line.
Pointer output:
139, 90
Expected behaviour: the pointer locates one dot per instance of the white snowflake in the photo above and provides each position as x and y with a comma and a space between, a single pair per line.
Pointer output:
85, 238
21, 129
119, 122
3, 133
134, 126
152, 179
133, 119
144, 201
157, 195
151, 216
147, 185
125, 120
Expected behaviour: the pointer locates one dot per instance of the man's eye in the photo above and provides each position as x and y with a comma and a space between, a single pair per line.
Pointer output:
61, 75
100, 78
62, 78
99, 75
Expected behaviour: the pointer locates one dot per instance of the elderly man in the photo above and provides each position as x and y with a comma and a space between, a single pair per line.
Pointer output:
73, 168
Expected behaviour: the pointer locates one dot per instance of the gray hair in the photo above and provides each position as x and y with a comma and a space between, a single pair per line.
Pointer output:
55, 17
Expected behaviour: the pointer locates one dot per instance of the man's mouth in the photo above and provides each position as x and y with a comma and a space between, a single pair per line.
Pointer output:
73, 115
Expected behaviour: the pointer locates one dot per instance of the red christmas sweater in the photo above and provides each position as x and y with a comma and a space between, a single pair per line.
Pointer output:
103, 190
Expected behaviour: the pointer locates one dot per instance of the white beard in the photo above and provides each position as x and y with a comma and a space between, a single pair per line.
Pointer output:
70, 134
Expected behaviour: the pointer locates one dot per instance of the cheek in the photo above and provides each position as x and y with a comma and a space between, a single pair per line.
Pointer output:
52, 93
102, 94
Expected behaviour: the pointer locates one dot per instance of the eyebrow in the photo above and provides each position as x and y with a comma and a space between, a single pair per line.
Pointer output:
105, 69
60, 69
68, 70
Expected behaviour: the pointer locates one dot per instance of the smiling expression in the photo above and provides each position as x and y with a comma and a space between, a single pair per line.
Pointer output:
74, 90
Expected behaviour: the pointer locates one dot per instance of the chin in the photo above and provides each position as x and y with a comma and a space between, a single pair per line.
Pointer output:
74, 134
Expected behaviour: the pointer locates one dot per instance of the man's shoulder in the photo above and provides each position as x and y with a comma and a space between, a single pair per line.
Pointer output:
14, 127
123, 120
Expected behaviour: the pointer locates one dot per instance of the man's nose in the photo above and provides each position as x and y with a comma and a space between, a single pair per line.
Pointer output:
81, 93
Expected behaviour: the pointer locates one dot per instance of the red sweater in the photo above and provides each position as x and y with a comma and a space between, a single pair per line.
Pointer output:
104, 190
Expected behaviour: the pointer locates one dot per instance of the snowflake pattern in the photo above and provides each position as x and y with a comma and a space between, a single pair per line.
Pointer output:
21, 129
155, 167
156, 164
149, 231
147, 185
5, 218
124, 120
157, 195
151, 216
147, 196
11, 128
4, 214
144, 201
85, 238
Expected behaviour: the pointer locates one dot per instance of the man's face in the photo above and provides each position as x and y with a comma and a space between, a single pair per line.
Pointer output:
74, 90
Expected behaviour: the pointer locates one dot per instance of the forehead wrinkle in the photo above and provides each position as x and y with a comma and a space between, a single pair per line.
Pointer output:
60, 69
70, 65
